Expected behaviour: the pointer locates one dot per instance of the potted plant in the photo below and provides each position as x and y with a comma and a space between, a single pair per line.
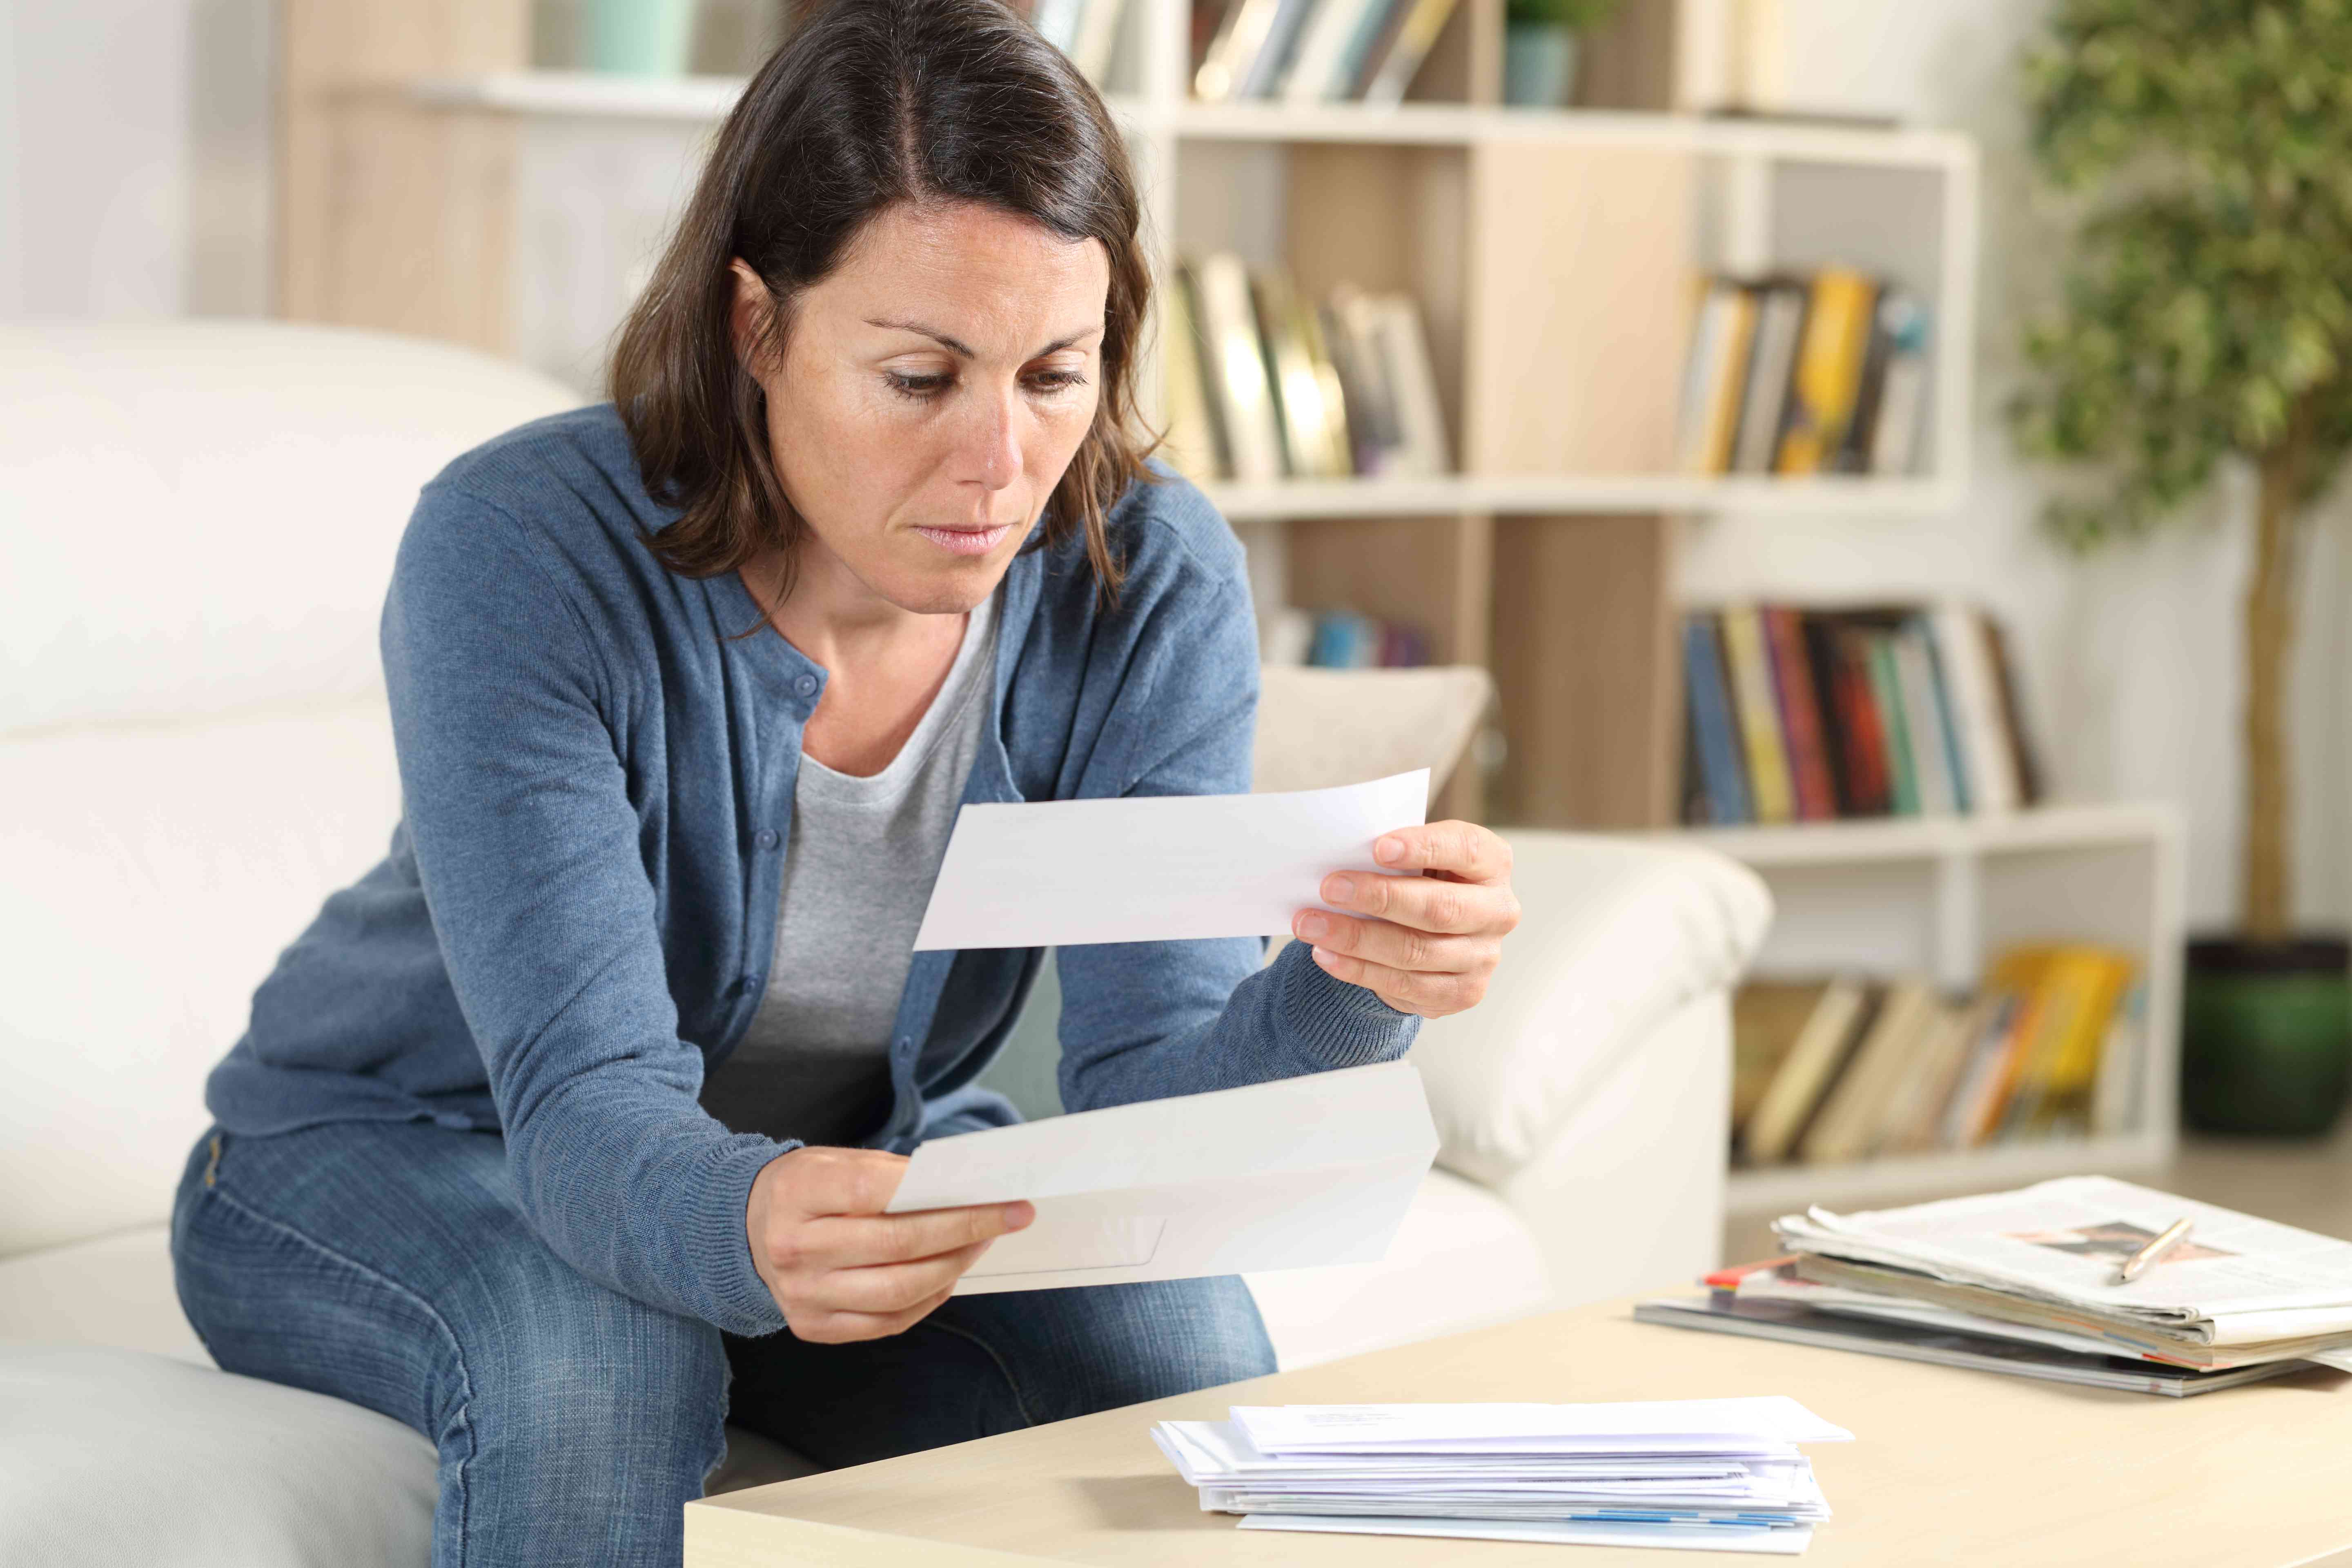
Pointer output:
2206, 322
1539, 48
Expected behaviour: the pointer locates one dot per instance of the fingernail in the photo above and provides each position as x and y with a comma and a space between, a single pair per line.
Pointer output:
1313, 926
1338, 889
1018, 1215
1323, 956
1388, 851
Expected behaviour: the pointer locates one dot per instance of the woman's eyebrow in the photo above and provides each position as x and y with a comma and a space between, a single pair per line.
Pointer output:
964, 349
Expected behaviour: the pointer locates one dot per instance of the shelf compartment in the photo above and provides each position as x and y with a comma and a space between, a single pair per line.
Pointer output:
1427, 571
1939, 895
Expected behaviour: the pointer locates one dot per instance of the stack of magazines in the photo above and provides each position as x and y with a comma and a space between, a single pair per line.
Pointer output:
2031, 1282
1719, 1474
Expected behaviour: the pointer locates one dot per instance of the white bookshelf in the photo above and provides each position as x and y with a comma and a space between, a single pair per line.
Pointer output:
1741, 229
1936, 895
1555, 256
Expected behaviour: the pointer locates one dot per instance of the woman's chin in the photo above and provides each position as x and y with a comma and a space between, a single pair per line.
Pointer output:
929, 581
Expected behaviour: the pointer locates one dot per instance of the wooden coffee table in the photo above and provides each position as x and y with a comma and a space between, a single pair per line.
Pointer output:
1947, 1466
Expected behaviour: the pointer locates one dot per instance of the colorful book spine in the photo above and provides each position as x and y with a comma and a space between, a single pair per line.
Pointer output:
1862, 736
1886, 696
1792, 684
1934, 767
1806, 716
1769, 782
1713, 728
1828, 373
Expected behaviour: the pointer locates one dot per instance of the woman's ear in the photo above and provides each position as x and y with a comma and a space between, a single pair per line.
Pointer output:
749, 317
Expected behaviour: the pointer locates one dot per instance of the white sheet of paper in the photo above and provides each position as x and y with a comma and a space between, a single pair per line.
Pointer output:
1057, 873
1788, 1541
1637, 1425
1288, 1174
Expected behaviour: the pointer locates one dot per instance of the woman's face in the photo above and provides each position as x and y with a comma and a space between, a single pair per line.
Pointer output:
932, 390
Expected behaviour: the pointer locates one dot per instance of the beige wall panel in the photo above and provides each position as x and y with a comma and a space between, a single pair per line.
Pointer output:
1580, 301
1585, 664
418, 224
389, 216
1628, 62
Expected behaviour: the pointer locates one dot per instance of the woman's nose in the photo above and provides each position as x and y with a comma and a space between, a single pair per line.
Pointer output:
992, 455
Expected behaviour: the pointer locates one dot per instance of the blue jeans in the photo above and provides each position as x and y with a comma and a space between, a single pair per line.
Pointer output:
386, 1263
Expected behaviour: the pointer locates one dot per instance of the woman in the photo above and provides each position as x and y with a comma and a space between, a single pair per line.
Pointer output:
587, 1100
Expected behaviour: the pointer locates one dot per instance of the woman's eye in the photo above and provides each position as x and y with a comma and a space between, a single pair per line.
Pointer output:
917, 386
921, 388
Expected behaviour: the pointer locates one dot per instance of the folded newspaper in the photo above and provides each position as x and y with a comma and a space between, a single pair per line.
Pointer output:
2238, 1291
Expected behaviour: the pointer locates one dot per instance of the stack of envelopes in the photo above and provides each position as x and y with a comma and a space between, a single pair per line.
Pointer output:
1725, 1474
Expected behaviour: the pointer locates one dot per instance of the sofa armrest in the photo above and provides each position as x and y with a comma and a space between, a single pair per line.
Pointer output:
1619, 935
1627, 1194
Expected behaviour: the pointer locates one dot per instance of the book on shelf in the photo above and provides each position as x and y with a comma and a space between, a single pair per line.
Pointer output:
1806, 715
1762, 739
1829, 1071
1292, 390
1801, 375
1192, 444
1233, 370
1340, 639
1311, 51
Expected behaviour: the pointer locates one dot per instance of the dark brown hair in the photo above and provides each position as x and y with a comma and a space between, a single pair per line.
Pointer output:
870, 103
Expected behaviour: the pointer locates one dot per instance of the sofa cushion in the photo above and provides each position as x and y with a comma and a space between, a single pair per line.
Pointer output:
1618, 935
200, 516
113, 1456
1317, 729
116, 1291
1462, 1259
153, 875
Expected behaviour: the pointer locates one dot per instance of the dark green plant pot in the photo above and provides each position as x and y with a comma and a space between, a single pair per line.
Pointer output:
2266, 1034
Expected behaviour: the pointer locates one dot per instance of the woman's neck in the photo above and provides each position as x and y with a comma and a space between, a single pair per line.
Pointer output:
884, 665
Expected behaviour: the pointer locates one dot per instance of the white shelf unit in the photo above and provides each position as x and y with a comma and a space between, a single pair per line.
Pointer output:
1751, 170
1555, 255
1939, 896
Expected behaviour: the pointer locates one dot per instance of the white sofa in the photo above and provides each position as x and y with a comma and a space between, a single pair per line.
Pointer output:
199, 522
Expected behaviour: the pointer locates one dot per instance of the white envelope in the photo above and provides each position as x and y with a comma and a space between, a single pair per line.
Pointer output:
1057, 873
1301, 1172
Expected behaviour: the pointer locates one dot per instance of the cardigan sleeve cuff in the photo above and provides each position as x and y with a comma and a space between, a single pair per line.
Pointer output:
722, 1237
1338, 1025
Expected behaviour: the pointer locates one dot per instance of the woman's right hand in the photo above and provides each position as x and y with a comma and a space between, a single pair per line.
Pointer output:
840, 1268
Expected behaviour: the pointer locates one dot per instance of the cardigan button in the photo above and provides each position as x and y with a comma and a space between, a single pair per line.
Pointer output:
805, 685
767, 838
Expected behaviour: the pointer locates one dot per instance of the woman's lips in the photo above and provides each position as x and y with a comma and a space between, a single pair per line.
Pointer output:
965, 541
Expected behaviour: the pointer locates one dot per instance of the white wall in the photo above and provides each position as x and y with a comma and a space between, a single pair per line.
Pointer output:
134, 157
2131, 658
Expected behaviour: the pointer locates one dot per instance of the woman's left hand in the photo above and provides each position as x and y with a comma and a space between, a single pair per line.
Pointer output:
1425, 944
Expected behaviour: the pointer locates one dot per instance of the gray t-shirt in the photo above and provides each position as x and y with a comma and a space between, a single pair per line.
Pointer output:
814, 1063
